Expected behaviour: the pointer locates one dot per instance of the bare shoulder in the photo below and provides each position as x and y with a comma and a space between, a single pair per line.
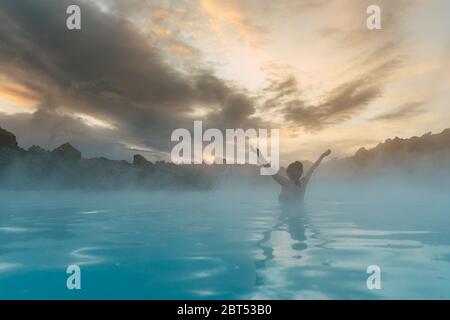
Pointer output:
304, 181
283, 181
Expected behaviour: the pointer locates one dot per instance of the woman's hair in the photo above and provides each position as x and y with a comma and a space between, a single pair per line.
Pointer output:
295, 170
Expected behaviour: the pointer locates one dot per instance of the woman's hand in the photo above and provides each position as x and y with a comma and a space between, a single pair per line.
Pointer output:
326, 153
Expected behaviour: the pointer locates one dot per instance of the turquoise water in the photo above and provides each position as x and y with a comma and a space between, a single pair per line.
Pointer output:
221, 245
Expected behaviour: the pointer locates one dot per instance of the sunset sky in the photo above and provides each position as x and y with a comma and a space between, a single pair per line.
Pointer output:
139, 69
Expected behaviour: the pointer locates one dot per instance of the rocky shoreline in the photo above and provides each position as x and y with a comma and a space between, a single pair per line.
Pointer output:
424, 160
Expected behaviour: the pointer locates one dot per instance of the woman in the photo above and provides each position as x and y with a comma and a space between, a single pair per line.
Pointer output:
294, 186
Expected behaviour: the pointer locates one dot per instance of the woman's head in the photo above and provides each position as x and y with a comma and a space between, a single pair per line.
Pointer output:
295, 170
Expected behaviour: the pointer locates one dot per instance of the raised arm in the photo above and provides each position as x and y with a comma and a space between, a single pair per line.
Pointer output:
315, 165
282, 181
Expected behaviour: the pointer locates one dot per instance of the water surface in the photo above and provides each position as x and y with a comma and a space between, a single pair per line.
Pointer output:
221, 245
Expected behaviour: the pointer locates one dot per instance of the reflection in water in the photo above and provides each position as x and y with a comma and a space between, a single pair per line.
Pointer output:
292, 219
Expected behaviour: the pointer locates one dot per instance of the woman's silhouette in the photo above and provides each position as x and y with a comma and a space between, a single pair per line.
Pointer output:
294, 186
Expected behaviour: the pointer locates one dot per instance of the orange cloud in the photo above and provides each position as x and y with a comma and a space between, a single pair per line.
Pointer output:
18, 94
159, 30
160, 13
226, 16
180, 49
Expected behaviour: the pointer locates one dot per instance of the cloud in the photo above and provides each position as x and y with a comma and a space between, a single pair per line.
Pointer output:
283, 87
144, 68
406, 110
228, 17
361, 62
339, 104
50, 129
107, 71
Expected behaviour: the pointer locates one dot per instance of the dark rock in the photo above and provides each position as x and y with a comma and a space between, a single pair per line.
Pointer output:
139, 160
36, 150
362, 154
7, 139
67, 151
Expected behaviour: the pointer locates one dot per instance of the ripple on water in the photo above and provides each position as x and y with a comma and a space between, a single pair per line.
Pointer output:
7, 266
13, 230
87, 259
89, 212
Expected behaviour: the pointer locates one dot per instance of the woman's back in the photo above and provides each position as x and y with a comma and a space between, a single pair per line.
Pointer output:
292, 191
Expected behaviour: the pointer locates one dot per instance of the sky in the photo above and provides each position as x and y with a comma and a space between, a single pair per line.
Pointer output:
139, 69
